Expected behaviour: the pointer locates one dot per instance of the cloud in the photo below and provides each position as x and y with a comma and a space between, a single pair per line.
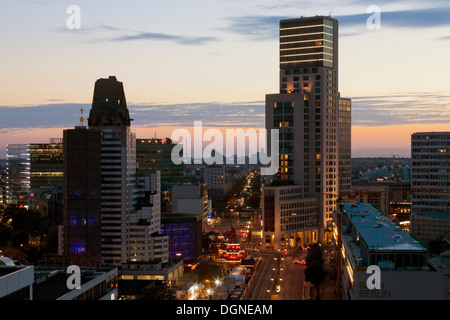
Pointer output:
263, 27
179, 39
239, 114
417, 18
383, 110
401, 108
255, 27
106, 33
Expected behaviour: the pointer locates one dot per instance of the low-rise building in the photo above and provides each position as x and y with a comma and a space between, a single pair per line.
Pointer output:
365, 237
27, 282
289, 218
430, 225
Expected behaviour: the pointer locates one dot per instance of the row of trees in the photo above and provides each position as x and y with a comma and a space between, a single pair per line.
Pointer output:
315, 271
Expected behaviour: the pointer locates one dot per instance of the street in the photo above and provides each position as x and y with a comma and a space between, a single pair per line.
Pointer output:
278, 277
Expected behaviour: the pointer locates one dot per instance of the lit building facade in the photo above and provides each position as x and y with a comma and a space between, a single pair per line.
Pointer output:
46, 178
156, 155
185, 235
307, 113
46, 165
345, 145
290, 220
17, 180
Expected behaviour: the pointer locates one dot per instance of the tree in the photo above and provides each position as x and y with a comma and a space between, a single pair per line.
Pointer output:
315, 273
315, 253
208, 271
5, 235
254, 201
249, 234
50, 242
157, 291
19, 239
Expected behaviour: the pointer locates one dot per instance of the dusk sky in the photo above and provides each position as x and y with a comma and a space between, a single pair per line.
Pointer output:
214, 61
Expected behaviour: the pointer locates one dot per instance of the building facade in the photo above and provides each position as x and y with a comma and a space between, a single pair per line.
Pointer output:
191, 198
430, 199
430, 153
17, 178
46, 165
307, 113
290, 220
366, 238
111, 211
156, 155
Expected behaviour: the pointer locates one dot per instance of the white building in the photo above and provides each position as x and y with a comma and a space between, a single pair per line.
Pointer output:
290, 219
191, 198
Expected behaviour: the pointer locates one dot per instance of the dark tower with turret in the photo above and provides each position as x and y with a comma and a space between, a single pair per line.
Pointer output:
109, 106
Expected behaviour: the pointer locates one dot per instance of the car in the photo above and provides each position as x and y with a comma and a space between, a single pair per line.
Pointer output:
296, 261
303, 262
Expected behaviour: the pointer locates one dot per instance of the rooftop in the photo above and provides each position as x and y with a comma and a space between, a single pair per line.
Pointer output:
378, 231
51, 284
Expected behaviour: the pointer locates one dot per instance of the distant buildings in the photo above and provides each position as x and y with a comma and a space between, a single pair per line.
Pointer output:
17, 180
46, 178
156, 155
388, 188
217, 180
46, 165
191, 198
30, 169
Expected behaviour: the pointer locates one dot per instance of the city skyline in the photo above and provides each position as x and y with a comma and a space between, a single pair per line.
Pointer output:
206, 47
158, 184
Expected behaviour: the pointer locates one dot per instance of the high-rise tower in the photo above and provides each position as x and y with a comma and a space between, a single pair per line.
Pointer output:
110, 210
306, 113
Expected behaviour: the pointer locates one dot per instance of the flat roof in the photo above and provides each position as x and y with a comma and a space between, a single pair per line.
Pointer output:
54, 287
378, 231
8, 269
308, 18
